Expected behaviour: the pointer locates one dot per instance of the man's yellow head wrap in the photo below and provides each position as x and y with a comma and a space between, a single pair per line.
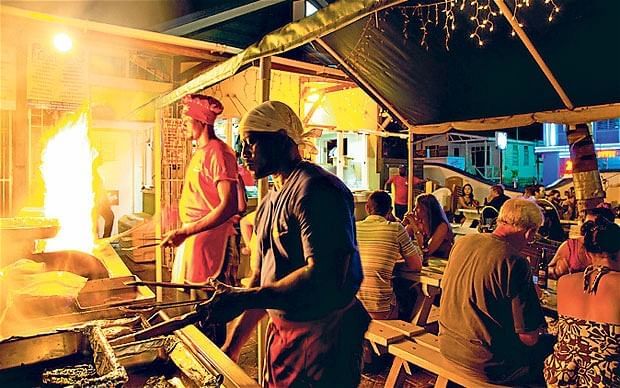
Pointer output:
273, 116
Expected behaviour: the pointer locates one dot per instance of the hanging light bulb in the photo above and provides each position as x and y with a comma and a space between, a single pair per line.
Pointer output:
62, 42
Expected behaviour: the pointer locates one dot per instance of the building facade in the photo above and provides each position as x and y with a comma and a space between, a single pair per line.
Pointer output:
479, 156
555, 154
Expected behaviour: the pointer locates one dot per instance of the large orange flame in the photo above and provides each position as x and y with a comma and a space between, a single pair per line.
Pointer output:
67, 173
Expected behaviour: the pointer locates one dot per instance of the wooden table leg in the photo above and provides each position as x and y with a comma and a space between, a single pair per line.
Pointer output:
397, 375
421, 316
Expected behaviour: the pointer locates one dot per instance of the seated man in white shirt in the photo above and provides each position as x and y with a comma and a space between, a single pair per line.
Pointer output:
381, 244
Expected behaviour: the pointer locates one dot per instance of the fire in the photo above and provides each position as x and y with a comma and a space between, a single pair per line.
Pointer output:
67, 173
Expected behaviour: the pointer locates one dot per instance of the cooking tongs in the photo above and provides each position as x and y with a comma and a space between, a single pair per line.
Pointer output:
162, 328
206, 287
148, 245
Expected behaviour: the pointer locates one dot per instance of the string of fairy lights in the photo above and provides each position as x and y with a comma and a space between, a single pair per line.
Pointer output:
482, 14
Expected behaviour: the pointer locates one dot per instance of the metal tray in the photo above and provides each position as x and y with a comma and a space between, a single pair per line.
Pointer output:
110, 292
17, 354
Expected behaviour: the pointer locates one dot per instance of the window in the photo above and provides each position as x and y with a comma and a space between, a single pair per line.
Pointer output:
345, 155
606, 131
526, 155
435, 151
136, 65
109, 65
150, 67
515, 154
477, 156
456, 152
554, 134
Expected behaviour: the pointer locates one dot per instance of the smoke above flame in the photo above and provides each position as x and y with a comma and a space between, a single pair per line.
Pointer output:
67, 173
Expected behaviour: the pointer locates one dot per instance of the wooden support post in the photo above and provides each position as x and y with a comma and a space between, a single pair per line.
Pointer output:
21, 134
410, 168
263, 186
157, 153
586, 177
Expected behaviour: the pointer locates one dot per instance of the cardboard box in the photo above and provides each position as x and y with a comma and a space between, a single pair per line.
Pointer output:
142, 232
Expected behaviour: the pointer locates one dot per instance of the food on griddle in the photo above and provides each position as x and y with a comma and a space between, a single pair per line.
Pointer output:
70, 375
27, 290
158, 382
116, 331
133, 322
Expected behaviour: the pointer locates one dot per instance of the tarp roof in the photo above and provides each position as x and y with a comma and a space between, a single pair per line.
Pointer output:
466, 86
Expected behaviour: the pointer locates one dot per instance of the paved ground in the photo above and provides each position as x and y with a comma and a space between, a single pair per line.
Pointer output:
248, 360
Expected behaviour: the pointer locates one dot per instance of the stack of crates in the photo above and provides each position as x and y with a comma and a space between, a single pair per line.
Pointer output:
143, 232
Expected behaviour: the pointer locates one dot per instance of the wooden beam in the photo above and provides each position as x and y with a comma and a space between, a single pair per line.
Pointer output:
319, 101
313, 109
126, 32
561, 116
535, 54
255, 51
114, 41
221, 17
307, 68
191, 72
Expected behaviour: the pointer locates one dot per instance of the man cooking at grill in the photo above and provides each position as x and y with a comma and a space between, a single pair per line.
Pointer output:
207, 247
309, 268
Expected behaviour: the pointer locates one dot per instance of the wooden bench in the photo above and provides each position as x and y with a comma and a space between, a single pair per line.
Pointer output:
408, 351
411, 344
382, 333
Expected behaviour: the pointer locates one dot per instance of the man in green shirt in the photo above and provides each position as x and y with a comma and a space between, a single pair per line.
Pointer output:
491, 318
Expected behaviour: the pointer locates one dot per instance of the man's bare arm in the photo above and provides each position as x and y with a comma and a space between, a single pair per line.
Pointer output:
308, 287
227, 208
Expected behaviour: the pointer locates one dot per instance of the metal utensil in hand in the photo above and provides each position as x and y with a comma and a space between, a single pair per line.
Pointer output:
149, 245
162, 328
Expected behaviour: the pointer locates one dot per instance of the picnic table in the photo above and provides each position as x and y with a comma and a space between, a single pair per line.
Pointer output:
429, 279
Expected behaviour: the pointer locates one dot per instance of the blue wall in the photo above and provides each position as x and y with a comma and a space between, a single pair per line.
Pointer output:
551, 167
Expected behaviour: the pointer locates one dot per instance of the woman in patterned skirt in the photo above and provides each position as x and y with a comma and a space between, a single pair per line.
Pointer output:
587, 353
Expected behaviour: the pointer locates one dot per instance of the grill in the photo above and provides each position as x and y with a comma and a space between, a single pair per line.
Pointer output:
69, 342
82, 356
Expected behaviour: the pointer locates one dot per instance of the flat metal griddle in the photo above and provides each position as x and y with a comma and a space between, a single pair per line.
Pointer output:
110, 292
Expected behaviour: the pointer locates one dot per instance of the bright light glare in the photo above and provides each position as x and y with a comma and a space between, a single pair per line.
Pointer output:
314, 97
63, 42
67, 173
310, 9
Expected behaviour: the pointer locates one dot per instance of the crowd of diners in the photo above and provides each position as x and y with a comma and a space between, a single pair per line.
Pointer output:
491, 320
565, 206
320, 277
